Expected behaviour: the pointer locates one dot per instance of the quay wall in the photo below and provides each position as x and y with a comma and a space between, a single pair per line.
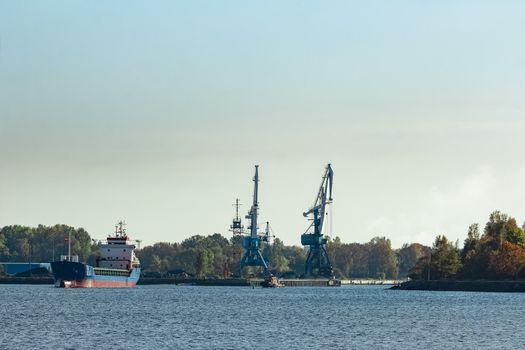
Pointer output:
464, 286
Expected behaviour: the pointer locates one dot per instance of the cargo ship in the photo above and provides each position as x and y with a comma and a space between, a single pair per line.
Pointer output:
116, 266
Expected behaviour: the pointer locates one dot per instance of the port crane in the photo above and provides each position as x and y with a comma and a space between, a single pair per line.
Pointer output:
237, 229
318, 262
252, 243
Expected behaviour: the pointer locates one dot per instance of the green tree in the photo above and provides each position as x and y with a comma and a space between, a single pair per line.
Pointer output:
203, 263
275, 254
382, 261
408, 256
500, 228
472, 241
470, 254
341, 257
420, 270
4, 251
155, 264
445, 260
296, 257
357, 258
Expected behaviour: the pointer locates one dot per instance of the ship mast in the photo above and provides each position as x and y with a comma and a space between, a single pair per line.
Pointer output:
69, 245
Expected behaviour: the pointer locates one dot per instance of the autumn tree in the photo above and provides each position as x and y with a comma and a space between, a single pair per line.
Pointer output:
507, 261
497, 253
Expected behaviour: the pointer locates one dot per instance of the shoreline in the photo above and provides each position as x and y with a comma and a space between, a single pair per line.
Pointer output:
233, 282
26, 280
240, 282
510, 286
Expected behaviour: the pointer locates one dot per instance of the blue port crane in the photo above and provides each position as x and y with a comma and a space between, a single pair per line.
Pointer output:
318, 262
252, 243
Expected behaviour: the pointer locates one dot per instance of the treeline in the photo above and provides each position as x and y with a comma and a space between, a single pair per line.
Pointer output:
213, 255
44, 243
498, 253
217, 256
375, 259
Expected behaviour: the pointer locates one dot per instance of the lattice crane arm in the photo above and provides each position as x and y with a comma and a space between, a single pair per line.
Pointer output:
324, 196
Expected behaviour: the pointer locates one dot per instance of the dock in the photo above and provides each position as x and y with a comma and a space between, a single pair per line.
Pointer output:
318, 282
509, 286
370, 282
241, 282
230, 282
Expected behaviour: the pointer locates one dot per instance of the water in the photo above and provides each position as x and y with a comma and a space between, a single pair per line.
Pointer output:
184, 317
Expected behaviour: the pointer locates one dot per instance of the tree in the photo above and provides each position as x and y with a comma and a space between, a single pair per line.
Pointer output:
496, 250
500, 228
358, 261
43, 243
278, 261
203, 263
408, 256
445, 262
472, 241
156, 263
420, 269
507, 261
470, 254
4, 251
296, 257
382, 261
342, 258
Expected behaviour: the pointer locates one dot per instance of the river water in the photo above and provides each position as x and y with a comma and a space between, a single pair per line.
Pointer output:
188, 317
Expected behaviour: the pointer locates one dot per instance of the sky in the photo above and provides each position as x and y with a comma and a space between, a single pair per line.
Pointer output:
155, 112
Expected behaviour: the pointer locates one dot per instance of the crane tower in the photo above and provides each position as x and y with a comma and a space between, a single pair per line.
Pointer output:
252, 243
318, 262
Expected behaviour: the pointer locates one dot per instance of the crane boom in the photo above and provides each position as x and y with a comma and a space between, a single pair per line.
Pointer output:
321, 201
318, 263
252, 214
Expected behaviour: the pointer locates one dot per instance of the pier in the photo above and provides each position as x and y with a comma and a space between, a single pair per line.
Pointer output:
510, 286
231, 282
241, 282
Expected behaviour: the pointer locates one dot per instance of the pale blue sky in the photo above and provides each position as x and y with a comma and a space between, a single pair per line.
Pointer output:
156, 112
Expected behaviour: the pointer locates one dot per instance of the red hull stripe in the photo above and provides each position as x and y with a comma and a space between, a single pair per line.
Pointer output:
100, 284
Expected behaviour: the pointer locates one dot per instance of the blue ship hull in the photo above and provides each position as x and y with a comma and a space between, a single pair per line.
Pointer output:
78, 275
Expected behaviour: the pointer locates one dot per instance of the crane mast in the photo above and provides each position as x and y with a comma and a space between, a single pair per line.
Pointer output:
318, 262
252, 243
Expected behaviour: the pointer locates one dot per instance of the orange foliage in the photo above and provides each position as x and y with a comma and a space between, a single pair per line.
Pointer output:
507, 261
